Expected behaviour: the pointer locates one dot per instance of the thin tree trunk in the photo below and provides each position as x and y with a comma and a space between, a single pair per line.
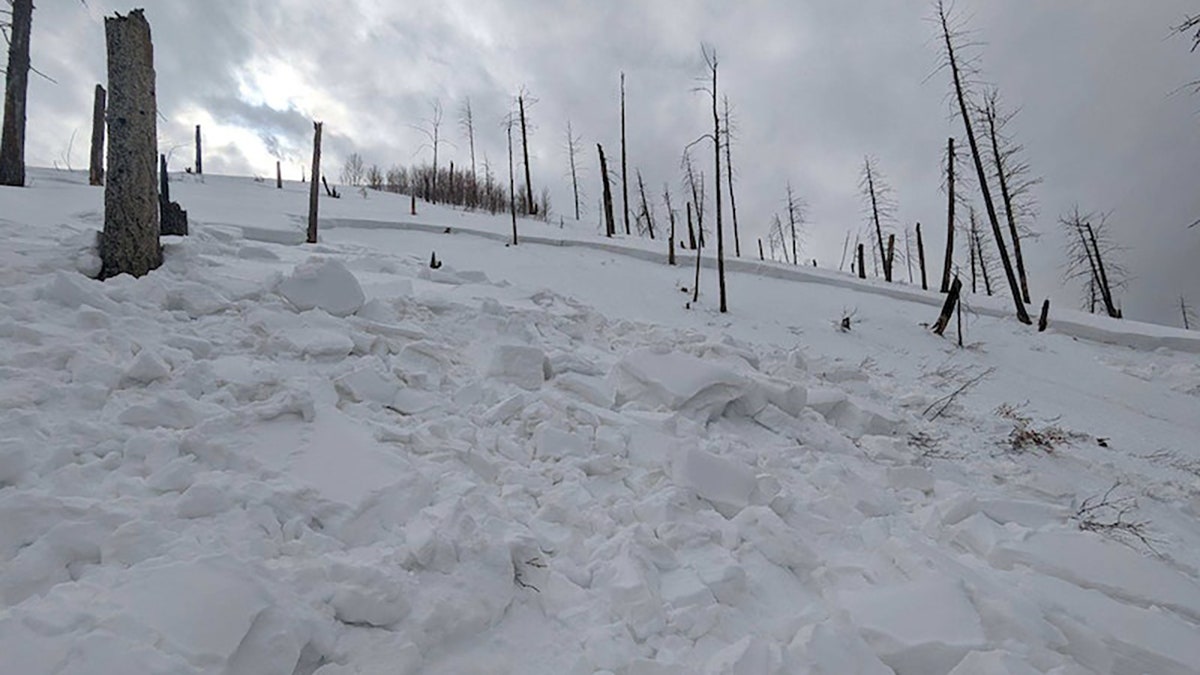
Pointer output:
971, 237
314, 188
1105, 289
574, 172
624, 165
671, 216
533, 209
717, 183
96, 168
761, 256
845, 247
278, 175
987, 280
908, 255
1044, 319
950, 187
199, 154
16, 88
645, 206
130, 241
862, 264
887, 267
737, 241
921, 257
1022, 315
696, 285
610, 227
939, 328
512, 179
1008, 206
1183, 309
891, 256
691, 230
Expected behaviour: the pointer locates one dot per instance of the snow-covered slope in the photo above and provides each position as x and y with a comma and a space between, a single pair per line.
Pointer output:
269, 457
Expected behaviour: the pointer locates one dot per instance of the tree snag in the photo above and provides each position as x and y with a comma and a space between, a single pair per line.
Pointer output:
610, 227
921, 257
199, 157
96, 168
948, 307
129, 243
314, 187
952, 201
16, 87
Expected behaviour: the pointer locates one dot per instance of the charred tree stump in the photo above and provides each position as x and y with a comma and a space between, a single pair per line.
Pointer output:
199, 155
278, 175
314, 187
129, 243
96, 168
171, 216
1044, 319
921, 257
862, 263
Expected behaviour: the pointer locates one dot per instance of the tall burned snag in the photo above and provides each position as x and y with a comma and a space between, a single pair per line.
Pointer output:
921, 257
96, 167
522, 99
199, 154
1094, 257
728, 120
1012, 175
951, 61
711, 63
610, 227
796, 215
130, 241
314, 187
16, 88
879, 206
573, 145
646, 216
624, 165
952, 201
512, 187
671, 218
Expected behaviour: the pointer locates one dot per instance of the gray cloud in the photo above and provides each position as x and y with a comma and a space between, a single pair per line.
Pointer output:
816, 86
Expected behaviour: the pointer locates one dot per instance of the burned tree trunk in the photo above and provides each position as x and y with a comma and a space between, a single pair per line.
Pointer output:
761, 256
314, 187
862, 263
533, 209
712, 64
921, 257
278, 175
645, 206
948, 308
610, 227
737, 240
891, 256
199, 154
1044, 319
512, 187
624, 165
691, 229
981, 174
96, 168
172, 218
129, 243
671, 218
12, 138
870, 177
949, 217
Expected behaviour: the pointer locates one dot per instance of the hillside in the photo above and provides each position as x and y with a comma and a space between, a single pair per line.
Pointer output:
270, 457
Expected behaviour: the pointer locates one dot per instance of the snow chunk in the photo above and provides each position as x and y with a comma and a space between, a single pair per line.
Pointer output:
748, 656
823, 649
147, 368
73, 291
196, 299
174, 411
552, 442
928, 642
323, 284
727, 484
676, 381
993, 663
201, 501
526, 367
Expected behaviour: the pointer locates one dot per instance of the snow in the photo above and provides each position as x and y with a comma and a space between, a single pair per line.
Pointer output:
269, 456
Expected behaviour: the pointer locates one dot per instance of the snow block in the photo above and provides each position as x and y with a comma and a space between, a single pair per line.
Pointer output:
196, 300
918, 628
323, 284
147, 368
748, 656
725, 483
993, 663
823, 649
526, 367
679, 382
552, 442
368, 385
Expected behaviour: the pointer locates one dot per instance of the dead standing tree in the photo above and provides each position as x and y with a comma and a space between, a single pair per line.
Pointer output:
573, 146
314, 187
797, 213
711, 63
130, 241
950, 39
522, 98
512, 179
727, 119
695, 185
610, 227
199, 154
880, 207
16, 87
671, 218
624, 164
1012, 174
646, 216
96, 168
432, 131
952, 202
1092, 255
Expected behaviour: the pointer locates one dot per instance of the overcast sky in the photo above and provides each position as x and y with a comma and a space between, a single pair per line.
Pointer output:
815, 85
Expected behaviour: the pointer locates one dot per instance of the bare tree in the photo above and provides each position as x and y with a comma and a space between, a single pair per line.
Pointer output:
727, 119
980, 256
610, 227
797, 214
199, 154
695, 184
354, 170
777, 238
647, 216
879, 205
431, 129
921, 257
573, 146
711, 63
522, 98
624, 165
1092, 255
951, 41
466, 120
952, 202
1188, 313
129, 243
512, 188
1012, 174
1189, 24
16, 87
